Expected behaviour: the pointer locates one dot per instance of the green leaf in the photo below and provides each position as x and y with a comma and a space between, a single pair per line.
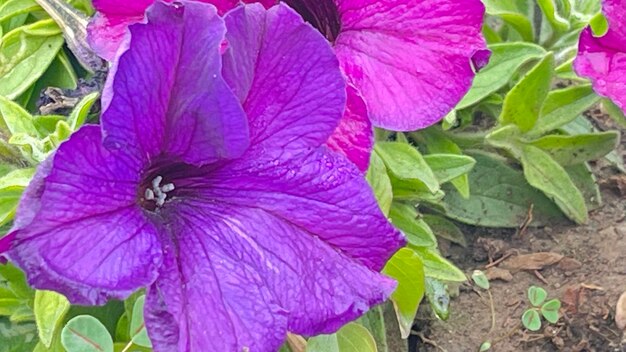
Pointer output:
550, 10
137, 331
16, 119
531, 320
586, 182
438, 298
407, 164
374, 322
25, 54
572, 150
614, 112
524, 101
536, 295
406, 267
80, 113
122, 347
437, 142
16, 281
108, 314
50, 309
405, 217
511, 14
550, 310
445, 228
17, 337
448, 167
480, 279
13, 8
351, 338
562, 106
545, 174
85, 333
379, 181
437, 267
506, 59
500, 197
599, 25
486, 346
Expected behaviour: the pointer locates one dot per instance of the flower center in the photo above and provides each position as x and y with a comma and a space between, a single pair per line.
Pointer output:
158, 193
321, 14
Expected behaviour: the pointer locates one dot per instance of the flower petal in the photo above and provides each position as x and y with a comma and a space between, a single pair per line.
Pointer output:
286, 75
354, 137
79, 231
108, 27
319, 191
122, 7
166, 94
106, 33
199, 282
410, 59
256, 276
603, 59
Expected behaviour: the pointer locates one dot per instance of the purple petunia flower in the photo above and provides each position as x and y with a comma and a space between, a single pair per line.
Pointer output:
603, 59
242, 225
410, 60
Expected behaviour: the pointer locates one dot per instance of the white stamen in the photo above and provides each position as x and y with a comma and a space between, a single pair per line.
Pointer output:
157, 182
161, 199
168, 187
158, 193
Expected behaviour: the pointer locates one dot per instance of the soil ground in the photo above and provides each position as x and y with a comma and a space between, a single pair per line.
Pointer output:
588, 282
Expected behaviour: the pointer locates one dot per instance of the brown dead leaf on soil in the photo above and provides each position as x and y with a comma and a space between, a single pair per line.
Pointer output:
533, 261
573, 298
569, 264
498, 274
618, 183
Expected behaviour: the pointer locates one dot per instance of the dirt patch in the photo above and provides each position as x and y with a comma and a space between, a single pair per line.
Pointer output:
588, 280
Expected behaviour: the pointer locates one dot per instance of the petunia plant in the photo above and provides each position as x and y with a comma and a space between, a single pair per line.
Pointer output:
260, 175
407, 62
220, 198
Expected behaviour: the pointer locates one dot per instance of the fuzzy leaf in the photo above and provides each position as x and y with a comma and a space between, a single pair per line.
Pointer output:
545, 174
506, 59
524, 101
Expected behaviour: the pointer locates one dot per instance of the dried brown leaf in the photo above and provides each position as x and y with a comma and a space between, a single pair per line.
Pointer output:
533, 261
498, 274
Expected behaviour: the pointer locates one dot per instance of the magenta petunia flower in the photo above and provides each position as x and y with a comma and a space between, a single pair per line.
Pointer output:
603, 59
242, 225
108, 27
409, 59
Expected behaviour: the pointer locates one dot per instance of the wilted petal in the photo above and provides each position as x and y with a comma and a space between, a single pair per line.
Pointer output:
603, 60
255, 275
167, 95
320, 191
79, 231
411, 60
354, 137
286, 75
